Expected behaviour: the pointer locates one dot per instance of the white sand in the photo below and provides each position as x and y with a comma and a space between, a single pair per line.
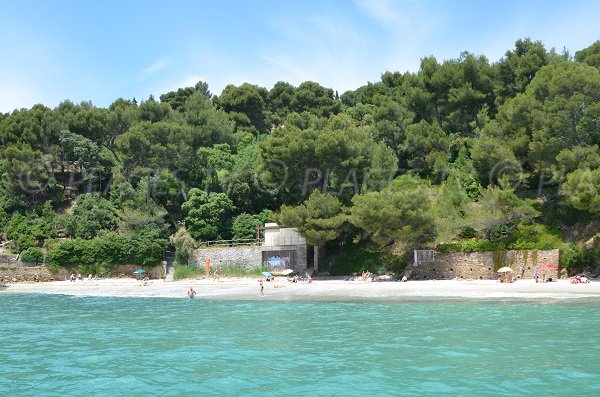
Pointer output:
282, 290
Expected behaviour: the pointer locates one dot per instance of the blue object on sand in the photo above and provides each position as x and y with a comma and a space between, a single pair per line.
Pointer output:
266, 274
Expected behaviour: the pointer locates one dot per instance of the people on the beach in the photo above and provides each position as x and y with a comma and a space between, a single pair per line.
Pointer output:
404, 278
576, 280
216, 274
72, 277
522, 270
191, 293
262, 286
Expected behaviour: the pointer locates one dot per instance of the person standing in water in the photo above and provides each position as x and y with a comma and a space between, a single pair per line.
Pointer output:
191, 293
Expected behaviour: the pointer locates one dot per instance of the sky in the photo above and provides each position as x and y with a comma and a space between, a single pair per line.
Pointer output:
99, 51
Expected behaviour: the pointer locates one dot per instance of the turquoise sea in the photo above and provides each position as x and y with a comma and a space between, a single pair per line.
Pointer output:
53, 345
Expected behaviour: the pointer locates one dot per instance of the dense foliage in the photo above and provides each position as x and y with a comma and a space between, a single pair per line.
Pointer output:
464, 154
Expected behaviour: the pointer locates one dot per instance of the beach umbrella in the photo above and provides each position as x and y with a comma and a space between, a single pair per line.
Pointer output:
505, 269
139, 271
548, 266
287, 272
266, 274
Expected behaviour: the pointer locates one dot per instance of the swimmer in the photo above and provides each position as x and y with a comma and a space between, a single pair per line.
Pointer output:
191, 293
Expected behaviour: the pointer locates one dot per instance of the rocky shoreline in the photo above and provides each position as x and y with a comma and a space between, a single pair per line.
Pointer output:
10, 273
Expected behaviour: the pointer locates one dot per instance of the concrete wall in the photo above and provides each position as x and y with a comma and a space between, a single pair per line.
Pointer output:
483, 265
282, 236
300, 252
246, 256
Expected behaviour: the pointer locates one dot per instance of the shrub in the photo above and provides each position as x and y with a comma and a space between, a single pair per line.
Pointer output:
33, 255
468, 232
185, 271
227, 270
184, 245
236, 270
471, 245
148, 245
357, 259
576, 259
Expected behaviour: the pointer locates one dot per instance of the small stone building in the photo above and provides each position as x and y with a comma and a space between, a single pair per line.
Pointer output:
282, 248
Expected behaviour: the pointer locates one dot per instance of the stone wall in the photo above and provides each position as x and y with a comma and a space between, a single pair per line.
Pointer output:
483, 265
246, 256
16, 274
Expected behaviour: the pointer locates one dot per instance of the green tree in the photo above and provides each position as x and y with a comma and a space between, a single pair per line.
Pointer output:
148, 246
205, 214
519, 66
153, 111
313, 98
554, 113
589, 55
339, 158
209, 125
566, 105
321, 218
578, 157
390, 122
91, 214
494, 159
246, 104
32, 255
458, 90
243, 186
86, 156
213, 165
582, 189
73, 253
400, 214
184, 245
37, 127
25, 172
178, 98
498, 206
165, 145
244, 225
425, 144
18, 232
279, 101
110, 250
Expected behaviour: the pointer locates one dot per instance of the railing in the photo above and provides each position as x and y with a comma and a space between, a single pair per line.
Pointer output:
270, 242
285, 240
232, 243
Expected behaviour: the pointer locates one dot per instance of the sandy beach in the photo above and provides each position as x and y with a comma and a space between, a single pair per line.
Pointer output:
318, 290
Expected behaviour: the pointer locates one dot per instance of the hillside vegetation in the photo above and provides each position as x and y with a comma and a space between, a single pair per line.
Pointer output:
464, 154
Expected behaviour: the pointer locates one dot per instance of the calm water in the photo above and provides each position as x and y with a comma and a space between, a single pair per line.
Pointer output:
74, 346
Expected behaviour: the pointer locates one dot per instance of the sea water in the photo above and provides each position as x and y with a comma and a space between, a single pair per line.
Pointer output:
53, 345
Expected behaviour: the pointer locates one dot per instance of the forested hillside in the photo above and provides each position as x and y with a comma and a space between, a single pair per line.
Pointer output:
465, 154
